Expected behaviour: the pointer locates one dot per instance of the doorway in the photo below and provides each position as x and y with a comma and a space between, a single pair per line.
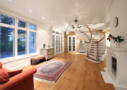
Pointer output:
71, 43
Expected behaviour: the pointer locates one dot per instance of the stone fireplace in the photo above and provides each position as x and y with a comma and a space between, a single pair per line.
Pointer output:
116, 71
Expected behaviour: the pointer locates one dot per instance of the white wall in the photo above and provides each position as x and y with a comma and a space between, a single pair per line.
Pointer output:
43, 35
119, 10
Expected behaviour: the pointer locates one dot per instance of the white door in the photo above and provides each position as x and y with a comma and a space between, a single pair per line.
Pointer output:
71, 43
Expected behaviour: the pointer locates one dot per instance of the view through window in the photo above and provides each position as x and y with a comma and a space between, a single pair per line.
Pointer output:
7, 37
21, 42
6, 42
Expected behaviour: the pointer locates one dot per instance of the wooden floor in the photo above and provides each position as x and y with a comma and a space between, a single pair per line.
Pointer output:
80, 75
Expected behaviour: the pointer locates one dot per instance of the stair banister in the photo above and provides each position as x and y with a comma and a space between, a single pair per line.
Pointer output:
89, 40
97, 56
90, 33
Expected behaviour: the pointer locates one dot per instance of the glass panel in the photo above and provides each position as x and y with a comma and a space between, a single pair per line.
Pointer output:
6, 20
69, 43
6, 42
59, 43
53, 40
21, 42
32, 42
21, 24
73, 43
56, 44
69, 48
32, 27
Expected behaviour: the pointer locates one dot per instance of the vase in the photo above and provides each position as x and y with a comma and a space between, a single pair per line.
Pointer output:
117, 45
44, 45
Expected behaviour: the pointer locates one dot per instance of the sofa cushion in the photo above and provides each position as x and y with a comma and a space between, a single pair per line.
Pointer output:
4, 76
13, 73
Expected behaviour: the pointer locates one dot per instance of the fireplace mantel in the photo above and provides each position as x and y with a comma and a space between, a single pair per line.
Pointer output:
120, 80
117, 49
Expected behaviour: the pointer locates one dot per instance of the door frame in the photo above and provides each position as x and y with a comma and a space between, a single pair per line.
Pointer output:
72, 43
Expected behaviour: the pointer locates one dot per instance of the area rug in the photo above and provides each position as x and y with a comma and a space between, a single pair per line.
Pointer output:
50, 71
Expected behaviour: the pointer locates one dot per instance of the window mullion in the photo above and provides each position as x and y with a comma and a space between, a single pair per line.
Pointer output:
15, 42
27, 40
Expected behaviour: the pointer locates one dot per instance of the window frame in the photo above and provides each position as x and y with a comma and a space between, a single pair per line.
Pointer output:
16, 28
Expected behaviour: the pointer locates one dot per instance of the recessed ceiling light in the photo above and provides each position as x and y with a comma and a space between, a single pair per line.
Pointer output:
9, 0
51, 22
43, 17
30, 11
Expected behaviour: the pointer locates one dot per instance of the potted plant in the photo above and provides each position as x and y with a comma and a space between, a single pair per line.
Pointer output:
117, 39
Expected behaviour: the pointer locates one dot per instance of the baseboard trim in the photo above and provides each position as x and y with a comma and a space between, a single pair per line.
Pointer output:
21, 66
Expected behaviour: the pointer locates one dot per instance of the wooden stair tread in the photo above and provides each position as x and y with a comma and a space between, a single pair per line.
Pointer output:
98, 50
91, 58
96, 45
93, 55
101, 53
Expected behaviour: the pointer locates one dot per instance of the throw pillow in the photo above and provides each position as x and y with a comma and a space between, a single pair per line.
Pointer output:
13, 73
4, 76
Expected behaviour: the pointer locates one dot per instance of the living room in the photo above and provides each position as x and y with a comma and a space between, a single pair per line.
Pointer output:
29, 29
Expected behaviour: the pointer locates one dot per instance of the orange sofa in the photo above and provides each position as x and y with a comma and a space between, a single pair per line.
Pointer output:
21, 81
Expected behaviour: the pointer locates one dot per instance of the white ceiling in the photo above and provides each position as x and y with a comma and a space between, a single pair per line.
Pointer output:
61, 12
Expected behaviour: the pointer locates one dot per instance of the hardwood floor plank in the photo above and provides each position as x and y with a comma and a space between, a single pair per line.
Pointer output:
81, 74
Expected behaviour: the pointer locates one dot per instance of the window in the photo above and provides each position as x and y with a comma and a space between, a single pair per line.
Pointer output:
21, 24
6, 42
6, 20
21, 42
32, 27
32, 37
25, 37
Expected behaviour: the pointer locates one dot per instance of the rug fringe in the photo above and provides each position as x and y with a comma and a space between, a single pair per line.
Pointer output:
43, 80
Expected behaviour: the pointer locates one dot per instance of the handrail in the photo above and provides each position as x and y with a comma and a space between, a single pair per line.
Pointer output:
102, 33
90, 33
97, 57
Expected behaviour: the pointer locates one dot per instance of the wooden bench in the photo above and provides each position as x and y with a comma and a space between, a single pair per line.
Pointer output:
37, 58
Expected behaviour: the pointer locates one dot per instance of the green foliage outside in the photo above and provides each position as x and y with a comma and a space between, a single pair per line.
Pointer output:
21, 46
5, 44
9, 47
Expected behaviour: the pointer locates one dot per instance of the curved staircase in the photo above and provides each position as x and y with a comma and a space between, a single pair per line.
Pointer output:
95, 48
